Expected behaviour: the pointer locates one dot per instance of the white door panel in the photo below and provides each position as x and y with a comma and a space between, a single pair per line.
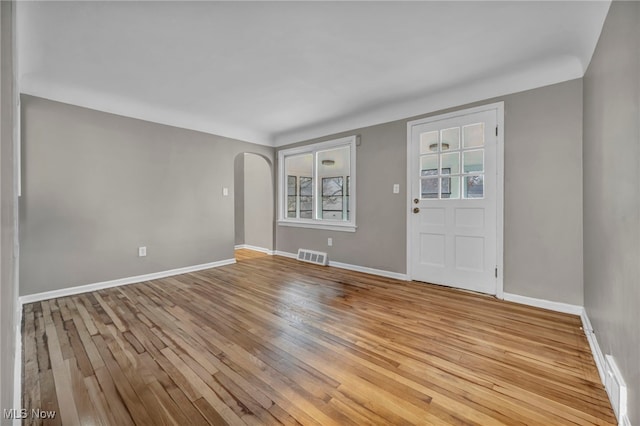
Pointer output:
454, 181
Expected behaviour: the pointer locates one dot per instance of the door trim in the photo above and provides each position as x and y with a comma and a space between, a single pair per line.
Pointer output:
499, 108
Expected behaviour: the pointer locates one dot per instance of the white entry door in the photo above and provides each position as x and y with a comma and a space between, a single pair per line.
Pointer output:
453, 230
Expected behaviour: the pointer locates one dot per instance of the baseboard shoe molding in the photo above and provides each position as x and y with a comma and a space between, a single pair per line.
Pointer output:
350, 267
30, 298
545, 304
254, 248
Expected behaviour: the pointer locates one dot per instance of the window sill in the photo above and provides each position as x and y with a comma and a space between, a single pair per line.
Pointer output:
325, 226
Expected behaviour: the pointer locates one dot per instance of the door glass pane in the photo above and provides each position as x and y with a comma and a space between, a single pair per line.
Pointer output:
473, 135
428, 165
450, 139
450, 187
428, 142
473, 161
450, 163
429, 187
473, 186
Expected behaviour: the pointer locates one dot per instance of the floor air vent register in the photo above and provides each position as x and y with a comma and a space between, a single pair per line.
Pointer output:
315, 257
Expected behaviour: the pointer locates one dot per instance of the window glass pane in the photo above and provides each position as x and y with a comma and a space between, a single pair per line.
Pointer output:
296, 167
450, 187
306, 186
306, 214
473, 161
291, 206
346, 198
473, 135
332, 198
334, 166
450, 139
292, 190
334, 162
474, 186
429, 165
292, 185
429, 188
450, 163
428, 142
306, 197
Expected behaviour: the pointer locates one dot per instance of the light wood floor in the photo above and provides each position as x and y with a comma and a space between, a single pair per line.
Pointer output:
270, 340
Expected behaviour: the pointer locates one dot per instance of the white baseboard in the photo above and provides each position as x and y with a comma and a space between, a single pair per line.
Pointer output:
122, 281
17, 369
598, 356
364, 269
379, 272
286, 254
545, 304
254, 248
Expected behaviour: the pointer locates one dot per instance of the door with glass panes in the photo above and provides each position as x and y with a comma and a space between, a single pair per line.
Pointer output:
452, 230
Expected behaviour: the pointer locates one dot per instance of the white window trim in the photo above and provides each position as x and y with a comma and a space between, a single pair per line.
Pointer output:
330, 225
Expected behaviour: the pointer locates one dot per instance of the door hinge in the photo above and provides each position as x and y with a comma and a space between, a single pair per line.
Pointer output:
496, 272
496, 130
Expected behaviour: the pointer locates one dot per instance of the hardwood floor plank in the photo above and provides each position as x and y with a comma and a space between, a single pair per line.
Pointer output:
49, 398
225, 412
133, 403
86, 411
191, 414
61, 377
30, 372
100, 403
117, 408
270, 340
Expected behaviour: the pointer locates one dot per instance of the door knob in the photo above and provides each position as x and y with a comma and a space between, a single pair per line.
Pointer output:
416, 210
416, 201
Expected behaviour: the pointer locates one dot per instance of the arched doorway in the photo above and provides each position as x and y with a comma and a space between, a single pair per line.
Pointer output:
253, 202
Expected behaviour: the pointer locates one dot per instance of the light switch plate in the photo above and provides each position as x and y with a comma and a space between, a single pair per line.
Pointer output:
225, 192
396, 188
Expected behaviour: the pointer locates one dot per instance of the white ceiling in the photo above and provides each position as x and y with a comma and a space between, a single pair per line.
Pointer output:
281, 72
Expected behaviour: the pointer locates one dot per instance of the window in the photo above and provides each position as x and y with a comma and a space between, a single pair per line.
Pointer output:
317, 185
445, 163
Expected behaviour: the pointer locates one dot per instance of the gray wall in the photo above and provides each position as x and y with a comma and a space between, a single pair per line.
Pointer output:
543, 196
258, 202
97, 186
238, 198
611, 193
8, 293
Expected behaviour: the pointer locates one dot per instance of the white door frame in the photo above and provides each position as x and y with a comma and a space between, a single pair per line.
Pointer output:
499, 108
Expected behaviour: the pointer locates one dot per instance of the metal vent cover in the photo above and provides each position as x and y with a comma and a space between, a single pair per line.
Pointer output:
310, 256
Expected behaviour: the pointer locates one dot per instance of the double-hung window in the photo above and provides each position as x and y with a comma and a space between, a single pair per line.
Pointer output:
317, 185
